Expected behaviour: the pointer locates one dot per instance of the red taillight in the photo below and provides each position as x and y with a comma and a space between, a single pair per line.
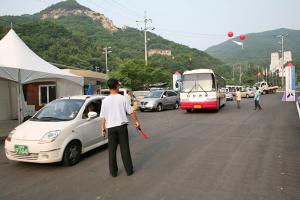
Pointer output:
8, 139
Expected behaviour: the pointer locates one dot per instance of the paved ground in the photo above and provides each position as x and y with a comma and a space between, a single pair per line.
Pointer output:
230, 155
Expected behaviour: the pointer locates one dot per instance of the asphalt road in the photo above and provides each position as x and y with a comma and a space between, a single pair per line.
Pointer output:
230, 155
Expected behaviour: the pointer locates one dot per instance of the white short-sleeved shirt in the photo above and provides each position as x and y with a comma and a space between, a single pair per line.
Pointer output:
114, 109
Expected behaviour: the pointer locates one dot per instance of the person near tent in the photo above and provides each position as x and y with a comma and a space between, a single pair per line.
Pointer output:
113, 117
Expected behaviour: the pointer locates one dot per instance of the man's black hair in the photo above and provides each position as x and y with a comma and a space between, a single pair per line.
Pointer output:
112, 83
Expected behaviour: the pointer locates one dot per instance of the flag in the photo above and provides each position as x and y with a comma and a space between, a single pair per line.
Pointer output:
238, 43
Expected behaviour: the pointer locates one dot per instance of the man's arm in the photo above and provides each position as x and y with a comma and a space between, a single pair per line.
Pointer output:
103, 129
135, 119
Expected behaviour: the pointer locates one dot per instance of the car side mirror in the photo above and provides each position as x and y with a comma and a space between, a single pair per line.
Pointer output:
164, 96
92, 115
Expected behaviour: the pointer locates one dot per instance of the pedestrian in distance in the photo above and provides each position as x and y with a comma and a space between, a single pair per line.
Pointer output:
257, 98
238, 98
113, 113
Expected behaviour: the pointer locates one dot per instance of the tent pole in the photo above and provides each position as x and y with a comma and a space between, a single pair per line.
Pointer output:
20, 117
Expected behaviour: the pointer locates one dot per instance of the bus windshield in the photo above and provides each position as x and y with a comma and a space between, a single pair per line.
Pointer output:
197, 82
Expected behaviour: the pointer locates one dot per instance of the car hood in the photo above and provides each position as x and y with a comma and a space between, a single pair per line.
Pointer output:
149, 99
35, 130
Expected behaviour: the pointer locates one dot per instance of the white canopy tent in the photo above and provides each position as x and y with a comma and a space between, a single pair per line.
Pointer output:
20, 64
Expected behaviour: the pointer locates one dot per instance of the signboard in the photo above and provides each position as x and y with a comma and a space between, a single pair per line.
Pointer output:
176, 81
290, 92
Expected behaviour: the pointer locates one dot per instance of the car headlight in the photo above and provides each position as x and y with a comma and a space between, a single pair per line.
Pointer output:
49, 137
150, 103
8, 138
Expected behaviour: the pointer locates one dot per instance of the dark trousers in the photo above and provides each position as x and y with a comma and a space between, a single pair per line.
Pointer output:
119, 135
257, 105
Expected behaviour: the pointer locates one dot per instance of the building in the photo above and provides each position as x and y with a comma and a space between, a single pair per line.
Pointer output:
161, 52
277, 63
95, 79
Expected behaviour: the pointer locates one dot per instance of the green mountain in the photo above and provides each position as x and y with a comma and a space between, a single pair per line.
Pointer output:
257, 47
71, 34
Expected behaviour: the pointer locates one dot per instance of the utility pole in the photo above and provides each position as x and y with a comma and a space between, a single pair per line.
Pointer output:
233, 73
281, 36
240, 78
258, 72
106, 52
146, 21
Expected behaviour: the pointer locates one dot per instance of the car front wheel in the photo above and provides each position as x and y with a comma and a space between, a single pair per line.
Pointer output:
72, 153
159, 108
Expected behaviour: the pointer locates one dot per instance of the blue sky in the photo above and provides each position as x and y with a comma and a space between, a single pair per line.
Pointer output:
196, 23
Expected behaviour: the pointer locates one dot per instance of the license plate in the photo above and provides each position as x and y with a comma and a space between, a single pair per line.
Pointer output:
21, 150
197, 106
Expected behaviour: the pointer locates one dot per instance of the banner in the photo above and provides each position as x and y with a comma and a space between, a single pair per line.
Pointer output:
290, 93
176, 81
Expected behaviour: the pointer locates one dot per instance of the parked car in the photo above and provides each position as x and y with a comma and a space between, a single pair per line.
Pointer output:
61, 131
122, 91
159, 100
139, 95
248, 92
229, 96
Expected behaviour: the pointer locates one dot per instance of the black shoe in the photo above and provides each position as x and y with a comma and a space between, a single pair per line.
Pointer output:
130, 173
114, 175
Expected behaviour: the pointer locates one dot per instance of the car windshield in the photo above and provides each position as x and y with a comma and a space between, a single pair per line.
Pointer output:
105, 92
59, 110
197, 82
154, 94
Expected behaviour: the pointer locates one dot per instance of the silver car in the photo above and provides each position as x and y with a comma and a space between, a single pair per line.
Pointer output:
159, 100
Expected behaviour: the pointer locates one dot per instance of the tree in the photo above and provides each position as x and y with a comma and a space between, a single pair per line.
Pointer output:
135, 74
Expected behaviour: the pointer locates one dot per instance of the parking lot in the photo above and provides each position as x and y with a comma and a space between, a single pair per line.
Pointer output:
241, 154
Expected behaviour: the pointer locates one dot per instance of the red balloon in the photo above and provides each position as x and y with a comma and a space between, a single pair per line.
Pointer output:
242, 36
230, 34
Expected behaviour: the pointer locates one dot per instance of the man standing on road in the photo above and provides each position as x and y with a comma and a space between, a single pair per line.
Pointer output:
256, 99
113, 117
238, 98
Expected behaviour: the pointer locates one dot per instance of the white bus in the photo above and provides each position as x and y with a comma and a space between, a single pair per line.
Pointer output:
202, 89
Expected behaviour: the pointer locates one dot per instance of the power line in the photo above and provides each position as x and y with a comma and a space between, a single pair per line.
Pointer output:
110, 10
193, 34
122, 7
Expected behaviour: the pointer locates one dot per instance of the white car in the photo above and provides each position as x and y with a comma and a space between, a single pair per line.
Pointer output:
61, 131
